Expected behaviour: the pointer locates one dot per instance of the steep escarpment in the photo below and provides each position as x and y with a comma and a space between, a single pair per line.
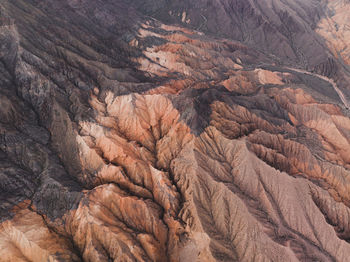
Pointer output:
126, 138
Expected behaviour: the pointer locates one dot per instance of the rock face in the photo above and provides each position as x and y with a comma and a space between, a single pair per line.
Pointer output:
183, 131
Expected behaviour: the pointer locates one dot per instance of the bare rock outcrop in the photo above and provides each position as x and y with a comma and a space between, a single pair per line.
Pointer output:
174, 139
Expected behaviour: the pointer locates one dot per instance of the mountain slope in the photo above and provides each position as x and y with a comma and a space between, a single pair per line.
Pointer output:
132, 133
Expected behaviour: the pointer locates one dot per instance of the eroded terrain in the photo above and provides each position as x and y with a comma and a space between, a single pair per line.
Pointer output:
157, 140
